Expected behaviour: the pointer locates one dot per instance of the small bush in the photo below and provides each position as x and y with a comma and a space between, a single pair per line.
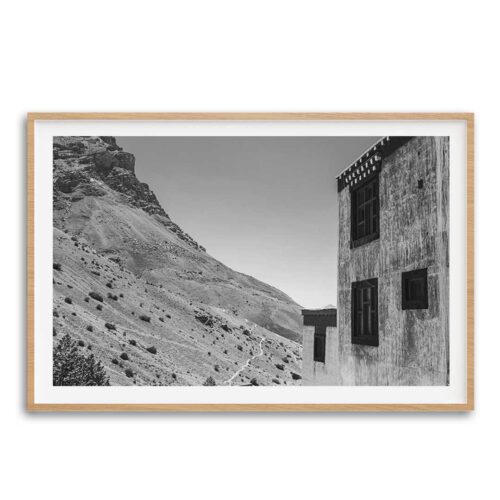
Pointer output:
86, 299
81, 343
152, 349
240, 348
217, 368
285, 360
114, 361
124, 356
129, 373
296, 376
209, 382
90, 328
68, 300
110, 326
254, 382
276, 381
280, 367
109, 284
145, 318
96, 296
56, 266
121, 295
112, 296
98, 307
132, 342
168, 316
161, 319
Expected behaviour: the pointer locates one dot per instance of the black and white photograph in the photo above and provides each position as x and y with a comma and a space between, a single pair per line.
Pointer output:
251, 261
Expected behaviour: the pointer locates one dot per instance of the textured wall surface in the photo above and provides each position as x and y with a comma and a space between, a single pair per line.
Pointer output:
313, 372
413, 344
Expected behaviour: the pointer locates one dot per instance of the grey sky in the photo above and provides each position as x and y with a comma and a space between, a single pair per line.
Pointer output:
265, 206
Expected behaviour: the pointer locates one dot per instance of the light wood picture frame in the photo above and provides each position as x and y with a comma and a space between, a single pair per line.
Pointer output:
37, 226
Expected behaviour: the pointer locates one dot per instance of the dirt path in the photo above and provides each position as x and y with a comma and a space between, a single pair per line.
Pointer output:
248, 361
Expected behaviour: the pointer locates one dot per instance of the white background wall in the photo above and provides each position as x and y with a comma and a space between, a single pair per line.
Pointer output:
253, 56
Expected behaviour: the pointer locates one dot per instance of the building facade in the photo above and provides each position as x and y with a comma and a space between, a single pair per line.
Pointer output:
393, 270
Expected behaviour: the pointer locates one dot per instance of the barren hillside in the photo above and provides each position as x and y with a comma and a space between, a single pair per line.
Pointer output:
145, 298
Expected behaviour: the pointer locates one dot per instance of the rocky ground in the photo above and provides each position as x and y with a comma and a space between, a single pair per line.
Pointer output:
144, 297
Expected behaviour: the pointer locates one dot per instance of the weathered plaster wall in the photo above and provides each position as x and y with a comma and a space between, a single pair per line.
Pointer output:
313, 372
413, 344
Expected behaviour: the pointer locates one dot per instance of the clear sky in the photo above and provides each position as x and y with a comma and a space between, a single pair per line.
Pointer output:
264, 206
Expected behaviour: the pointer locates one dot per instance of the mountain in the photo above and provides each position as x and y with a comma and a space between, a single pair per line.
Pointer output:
161, 310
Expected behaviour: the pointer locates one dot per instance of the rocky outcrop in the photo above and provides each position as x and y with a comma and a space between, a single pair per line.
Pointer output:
85, 166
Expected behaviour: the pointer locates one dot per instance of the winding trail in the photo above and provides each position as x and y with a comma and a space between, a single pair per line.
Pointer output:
248, 361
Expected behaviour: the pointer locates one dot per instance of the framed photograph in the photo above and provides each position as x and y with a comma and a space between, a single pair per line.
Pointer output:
250, 262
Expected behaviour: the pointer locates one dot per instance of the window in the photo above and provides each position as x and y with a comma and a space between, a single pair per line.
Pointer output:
364, 312
365, 213
319, 344
414, 290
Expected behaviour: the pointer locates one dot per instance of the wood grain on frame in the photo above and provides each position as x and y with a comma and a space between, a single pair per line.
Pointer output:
32, 406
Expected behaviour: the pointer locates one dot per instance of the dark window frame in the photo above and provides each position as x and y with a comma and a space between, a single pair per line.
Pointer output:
319, 347
373, 206
370, 320
420, 302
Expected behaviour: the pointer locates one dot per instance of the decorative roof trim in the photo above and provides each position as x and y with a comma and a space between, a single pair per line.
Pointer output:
370, 162
319, 312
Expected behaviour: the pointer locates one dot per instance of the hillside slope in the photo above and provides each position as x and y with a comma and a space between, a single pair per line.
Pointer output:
160, 289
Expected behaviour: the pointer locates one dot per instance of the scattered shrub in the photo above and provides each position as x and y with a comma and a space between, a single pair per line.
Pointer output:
56, 266
145, 318
55, 314
71, 368
276, 381
110, 326
68, 300
86, 299
96, 296
132, 342
109, 284
240, 348
129, 373
152, 349
246, 332
124, 356
161, 319
114, 361
99, 307
296, 376
280, 367
254, 382
111, 296
168, 316
90, 328
209, 382
217, 368
121, 295
285, 360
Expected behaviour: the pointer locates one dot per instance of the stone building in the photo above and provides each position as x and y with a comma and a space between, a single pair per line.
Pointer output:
391, 322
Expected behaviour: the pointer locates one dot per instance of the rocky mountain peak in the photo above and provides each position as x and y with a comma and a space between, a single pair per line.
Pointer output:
90, 166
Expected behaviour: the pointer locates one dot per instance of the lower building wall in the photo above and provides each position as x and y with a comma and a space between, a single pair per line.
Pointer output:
313, 372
